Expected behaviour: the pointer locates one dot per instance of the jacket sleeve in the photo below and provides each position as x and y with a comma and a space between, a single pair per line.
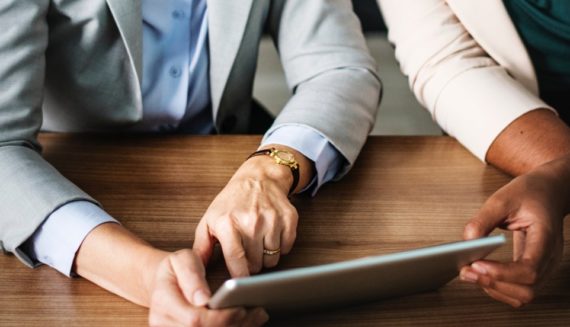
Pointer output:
336, 89
30, 189
467, 93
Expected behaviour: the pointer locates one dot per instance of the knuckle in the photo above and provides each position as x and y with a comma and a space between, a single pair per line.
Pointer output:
220, 226
225, 223
532, 277
238, 253
291, 216
187, 259
252, 223
272, 220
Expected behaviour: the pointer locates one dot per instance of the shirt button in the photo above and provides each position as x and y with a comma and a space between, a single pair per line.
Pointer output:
178, 14
175, 71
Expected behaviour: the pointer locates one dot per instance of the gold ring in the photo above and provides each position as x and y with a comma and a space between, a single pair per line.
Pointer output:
271, 252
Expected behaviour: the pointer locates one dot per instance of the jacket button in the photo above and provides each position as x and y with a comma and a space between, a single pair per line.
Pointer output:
229, 123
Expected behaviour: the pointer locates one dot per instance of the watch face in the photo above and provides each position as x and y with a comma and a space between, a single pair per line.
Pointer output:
286, 157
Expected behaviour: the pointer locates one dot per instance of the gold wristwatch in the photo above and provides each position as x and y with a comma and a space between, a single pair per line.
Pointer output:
284, 158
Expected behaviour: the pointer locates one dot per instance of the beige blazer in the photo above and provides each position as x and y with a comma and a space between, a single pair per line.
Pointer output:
466, 64
75, 65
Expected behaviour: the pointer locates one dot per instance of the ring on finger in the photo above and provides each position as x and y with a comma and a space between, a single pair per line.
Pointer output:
271, 252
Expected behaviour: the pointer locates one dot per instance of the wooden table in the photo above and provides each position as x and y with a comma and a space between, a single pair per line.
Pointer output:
404, 192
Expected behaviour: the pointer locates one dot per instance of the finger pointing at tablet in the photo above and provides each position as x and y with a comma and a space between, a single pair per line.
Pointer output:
252, 218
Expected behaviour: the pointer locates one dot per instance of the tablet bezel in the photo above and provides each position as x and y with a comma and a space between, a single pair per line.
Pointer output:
285, 290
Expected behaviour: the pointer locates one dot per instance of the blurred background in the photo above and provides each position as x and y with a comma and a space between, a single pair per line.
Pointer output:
400, 113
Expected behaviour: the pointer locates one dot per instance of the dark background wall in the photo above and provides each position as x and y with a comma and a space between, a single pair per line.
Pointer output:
369, 14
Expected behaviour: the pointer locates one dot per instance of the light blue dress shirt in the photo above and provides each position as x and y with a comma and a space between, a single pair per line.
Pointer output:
175, 91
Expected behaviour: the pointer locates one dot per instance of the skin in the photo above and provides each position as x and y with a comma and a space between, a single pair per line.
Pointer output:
251, 213
172, 285
536, 149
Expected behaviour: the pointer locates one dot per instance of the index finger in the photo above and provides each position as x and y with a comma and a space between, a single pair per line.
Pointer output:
232, 247
491, 215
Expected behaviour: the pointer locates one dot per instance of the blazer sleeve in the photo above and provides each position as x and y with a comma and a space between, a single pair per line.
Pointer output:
467, 93
336, 89
30, 189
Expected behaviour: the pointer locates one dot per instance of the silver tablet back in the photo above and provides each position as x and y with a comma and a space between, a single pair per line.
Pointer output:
354, 281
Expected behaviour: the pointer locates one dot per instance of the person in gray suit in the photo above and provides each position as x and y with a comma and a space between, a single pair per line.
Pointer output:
175, 66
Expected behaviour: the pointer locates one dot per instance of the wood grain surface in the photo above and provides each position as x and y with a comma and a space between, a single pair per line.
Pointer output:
404, 192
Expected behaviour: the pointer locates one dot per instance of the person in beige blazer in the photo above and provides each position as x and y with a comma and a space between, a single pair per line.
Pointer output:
183, 66
476, 66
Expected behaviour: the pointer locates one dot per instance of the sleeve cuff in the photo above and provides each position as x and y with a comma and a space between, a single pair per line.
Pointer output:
312, 145
476, 117
56, 241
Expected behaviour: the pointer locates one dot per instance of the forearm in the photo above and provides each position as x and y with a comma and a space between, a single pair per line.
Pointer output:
530, 141
117, 260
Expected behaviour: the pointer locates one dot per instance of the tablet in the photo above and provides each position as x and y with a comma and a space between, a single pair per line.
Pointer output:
354, 281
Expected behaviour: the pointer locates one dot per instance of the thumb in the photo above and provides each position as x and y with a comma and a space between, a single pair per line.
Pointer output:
190, 275
490, 216
203, 242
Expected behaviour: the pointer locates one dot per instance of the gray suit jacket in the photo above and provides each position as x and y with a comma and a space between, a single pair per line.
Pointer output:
75, 65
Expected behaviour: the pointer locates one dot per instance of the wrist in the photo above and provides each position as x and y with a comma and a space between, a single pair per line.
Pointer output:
264, 168
565, 181
117, 260
150, 262
289, 161
558, 170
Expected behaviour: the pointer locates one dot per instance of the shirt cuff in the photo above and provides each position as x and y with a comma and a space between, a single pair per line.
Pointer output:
312, 145
56, 241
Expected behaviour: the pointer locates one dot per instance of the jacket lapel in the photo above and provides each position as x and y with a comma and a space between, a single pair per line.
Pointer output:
128, 16
498, 36
227, 21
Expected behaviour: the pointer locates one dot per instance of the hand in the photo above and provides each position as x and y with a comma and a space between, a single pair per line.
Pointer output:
533, 206
179, 293
172, 285
251, 213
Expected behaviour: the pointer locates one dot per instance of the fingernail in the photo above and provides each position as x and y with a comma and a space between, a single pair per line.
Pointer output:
469, 276
479, 268
201, 298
